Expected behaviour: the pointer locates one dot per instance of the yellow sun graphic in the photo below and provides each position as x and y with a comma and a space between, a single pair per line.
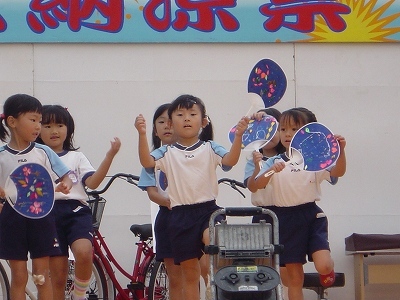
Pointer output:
364, 24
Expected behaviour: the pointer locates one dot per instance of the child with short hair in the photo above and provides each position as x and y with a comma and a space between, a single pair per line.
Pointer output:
18, 234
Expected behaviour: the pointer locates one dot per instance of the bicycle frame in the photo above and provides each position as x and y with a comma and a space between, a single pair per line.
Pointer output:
137, 279
141, 277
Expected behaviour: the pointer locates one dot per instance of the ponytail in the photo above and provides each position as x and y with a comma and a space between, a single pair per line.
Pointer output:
3, 131
207, 132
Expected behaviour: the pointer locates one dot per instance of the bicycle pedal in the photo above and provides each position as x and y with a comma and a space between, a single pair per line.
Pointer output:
136, 286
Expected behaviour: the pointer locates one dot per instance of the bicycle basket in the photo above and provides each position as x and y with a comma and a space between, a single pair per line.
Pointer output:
97, 207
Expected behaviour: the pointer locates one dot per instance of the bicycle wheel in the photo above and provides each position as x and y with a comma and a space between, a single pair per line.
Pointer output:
70, 279
4, 284
100, 287
158, 283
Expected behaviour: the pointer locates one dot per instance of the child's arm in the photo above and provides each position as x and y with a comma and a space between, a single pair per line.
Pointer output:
146, 160
257, 158
97, 177
262, 181
232, 157
157, 198
340, 167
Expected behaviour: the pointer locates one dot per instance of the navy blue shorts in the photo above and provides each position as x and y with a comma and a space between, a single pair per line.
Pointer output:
303, 230
20, 235
186, 227
163, 240
73, 222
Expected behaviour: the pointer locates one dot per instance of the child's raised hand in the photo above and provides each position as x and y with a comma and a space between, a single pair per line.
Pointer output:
242, 126
258, 115
257, 157
140, 124
115, 146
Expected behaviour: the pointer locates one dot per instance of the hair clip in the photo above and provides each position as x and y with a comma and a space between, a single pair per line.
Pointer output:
66, 108
2, 116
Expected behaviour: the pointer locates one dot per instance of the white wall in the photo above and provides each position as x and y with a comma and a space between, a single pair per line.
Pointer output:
354, 89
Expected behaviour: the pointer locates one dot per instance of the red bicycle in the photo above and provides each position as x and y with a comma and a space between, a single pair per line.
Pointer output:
147, 281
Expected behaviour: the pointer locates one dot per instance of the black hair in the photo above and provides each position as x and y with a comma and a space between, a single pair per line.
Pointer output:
187, 101
15, 106
277, 115
295, 115
59, 115
309, 114
159, 111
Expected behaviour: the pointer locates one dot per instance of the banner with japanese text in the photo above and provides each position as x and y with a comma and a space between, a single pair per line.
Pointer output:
203, 21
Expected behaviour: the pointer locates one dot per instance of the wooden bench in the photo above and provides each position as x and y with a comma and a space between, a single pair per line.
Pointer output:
363, 245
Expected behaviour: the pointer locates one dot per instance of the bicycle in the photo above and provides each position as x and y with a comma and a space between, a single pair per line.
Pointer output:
148, 280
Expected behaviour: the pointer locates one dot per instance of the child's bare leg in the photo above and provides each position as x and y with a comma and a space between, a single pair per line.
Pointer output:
295, 279
83, 253
19, 278
205, 267
284, 276
58, 274
175, 279
41, 277
323, 261
191, 278
324, 265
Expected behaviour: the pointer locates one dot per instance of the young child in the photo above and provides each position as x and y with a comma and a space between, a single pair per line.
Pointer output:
262, 197
73, 216
190, 167
156, 186
303, 225
19, 235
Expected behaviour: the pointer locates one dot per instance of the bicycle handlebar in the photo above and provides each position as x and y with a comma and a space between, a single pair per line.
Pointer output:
233, 184
132, 179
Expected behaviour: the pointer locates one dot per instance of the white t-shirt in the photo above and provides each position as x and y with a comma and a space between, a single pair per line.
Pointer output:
80, 168
293, 186
11, 159
190, 171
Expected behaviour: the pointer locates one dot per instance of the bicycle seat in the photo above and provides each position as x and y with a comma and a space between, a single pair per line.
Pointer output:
143, 231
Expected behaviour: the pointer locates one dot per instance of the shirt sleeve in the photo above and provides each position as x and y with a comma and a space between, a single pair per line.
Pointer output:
56, 165
248, 170
221, 152
147, 179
